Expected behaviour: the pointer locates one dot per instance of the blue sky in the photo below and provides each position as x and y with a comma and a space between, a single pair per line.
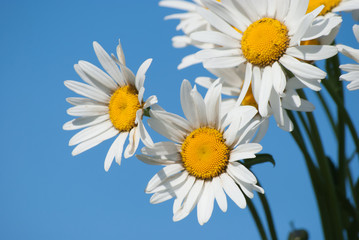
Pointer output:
48, 194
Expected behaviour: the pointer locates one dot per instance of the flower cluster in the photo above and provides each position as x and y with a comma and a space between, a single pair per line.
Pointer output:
261, 55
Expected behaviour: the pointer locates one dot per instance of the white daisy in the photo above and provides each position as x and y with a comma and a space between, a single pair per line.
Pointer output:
112, 106
233, 79
353, 69
190, 21
202, 161
334, 6
267, 42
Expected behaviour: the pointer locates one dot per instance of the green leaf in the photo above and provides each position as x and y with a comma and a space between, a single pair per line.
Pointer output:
260, 158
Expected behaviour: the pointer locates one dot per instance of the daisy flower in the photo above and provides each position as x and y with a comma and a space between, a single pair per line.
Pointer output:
112, 105
353, 69
201, 164
267, 42
190, 21
277, 105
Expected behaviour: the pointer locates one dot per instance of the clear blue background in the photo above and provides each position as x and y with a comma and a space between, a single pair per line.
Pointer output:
45, 193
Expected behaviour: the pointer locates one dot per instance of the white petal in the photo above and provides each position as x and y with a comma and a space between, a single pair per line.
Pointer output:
160, 160
216, 53
219, 194
223, 62
353, 86
301, 69
233, 190
296, 11
217, 38
312, 52
87, 91
219, 23
213, 104
187, 104
356, 32
188, 61
181, 5
182, 193
120, 54
349, 67
190, 201
244, 151
82, 101
302, 26
279, 79
265, 90
163, 174
150, 101
95, 82
246, 83
234, 18
87, 110
161, 148
83, 122
108, 64
261, 131
140, 75
166, 130
173, 119
90, 132
243, 173
145, 137
172, 182
347, 6
96, 75
116, 148
200, 107
205, 203
134, 140
84, 146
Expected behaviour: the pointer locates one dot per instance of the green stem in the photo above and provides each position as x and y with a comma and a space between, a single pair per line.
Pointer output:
315, 178
268, 214
347, 118
352, 190
257, 219
327, 175
332, 67
327, 111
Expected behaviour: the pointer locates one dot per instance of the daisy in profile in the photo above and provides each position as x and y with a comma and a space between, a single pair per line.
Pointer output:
353, 69
277, 105
112, 106
266, 39
190, 21
202, 160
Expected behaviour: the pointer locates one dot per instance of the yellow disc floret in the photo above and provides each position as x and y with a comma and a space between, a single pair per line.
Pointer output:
204, 153
123, 107
310, 42
249, 99
264, 42
328, 5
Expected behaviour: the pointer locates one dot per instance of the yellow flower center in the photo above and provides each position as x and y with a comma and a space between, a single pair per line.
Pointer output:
328, 5
123, 107
204, 153
310, 42
249, 99
265, 41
